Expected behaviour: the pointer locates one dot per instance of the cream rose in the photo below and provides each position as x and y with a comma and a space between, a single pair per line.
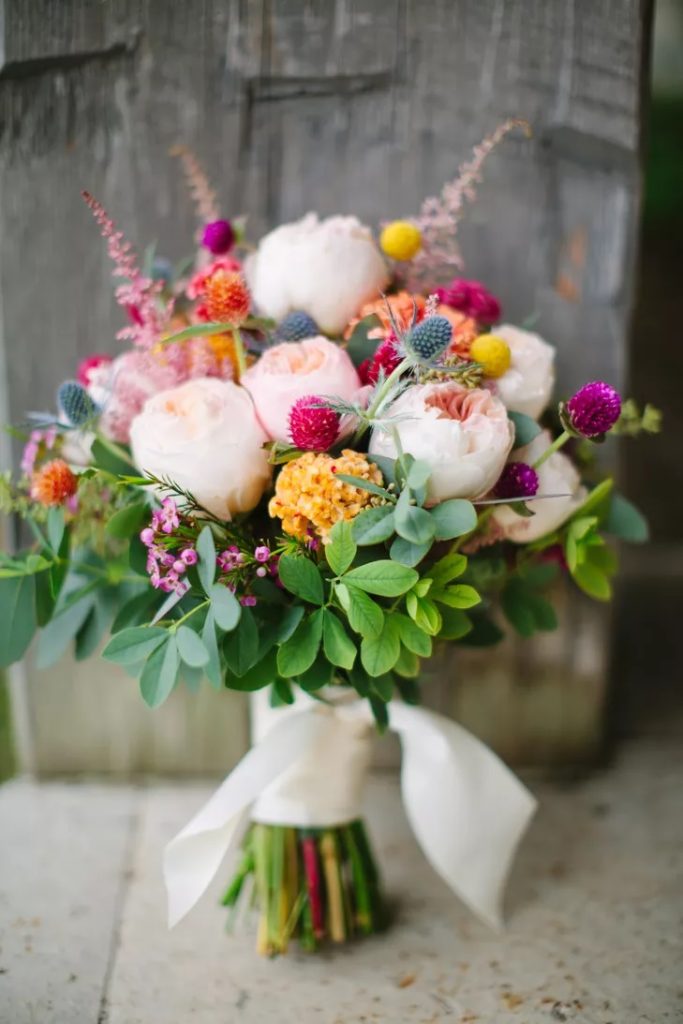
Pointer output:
464, 435
527, 386
293, 370
557, 475
204, 435
328, 268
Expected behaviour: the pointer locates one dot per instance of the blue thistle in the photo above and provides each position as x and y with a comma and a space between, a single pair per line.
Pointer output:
162, 270
296, 326
75, 403
428, 339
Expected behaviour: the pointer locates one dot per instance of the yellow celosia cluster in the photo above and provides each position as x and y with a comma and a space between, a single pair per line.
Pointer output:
310, 498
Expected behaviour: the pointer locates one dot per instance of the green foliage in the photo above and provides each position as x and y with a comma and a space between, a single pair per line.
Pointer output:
339, 649
298, 653
453, 518
160, 673
374, 525
128, 520
409, 554
526, 429
225, 607
18, 621
625, 521
383, 578
206, 566
340, 550
379, 654
525, 609
302, 578
360, 346
241, 646
190, 647
413, 524
365, 615
134, 644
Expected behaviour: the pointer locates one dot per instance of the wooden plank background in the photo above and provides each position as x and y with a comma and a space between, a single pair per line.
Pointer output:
339, 106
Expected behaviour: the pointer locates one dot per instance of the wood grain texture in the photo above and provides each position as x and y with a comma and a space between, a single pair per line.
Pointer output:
334, 105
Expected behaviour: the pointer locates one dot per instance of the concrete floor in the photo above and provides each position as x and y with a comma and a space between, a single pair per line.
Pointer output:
594, 917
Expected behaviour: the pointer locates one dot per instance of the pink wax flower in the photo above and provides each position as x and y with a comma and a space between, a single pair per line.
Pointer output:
262, 553
472, 299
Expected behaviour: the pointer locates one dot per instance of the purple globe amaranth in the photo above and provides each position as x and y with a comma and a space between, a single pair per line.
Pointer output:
594, 409
517, 482
218, 237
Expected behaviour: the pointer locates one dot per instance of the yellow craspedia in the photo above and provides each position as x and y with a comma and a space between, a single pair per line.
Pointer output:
493, 353
400, 240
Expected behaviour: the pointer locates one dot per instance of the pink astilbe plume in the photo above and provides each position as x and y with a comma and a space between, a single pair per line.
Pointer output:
202, 194
139, 295
440, 215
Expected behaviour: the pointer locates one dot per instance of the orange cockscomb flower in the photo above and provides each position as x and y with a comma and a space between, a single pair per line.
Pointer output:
54, 483
465, 330
309, 497
403, 305
227, 298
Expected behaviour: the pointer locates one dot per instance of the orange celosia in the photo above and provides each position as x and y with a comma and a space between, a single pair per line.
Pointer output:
227, 298
54, 483
403, 306
465, 330
310, 499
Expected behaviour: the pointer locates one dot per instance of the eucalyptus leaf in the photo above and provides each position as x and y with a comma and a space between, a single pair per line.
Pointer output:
625, 521
18, 620
206, 566
414, 524
526, 429
160, 673
453, 518
374, 525
55, 527
408, 554
213, 665
225, 607
134, 644
190, 647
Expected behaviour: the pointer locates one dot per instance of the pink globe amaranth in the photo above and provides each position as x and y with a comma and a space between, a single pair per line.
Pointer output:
312, 427
218, 237
594, 409
472, 299
517, 482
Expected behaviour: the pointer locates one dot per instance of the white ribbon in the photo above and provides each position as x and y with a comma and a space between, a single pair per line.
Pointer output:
467, 810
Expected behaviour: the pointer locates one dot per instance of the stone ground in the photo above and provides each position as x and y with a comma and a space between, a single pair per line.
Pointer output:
594, 917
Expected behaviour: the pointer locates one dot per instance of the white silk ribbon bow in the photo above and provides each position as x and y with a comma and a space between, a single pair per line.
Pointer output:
467, 810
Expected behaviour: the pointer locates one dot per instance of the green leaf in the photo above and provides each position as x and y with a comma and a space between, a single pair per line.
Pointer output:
298, 653
213, 665
379, 654
281, 629
160, 672
134, 644
301, 577
340, 550
70, 614
281, 693
225, 607
190, 647
625, 521
412, 637
595, 499
460, 595
418, 474
384, 578
526, 429
364, 485
453, 518
241, 646
317, 676
206, 566
383, 687
111, 457
192, 677
134, 610
263, 673
127, 521
408, 554
408, 664
425, 613
365, 616
484, 632
360, 680
381, 715
338, 646
359, 346
17, 617
374, 525
593, 581
55, 527
447, 569
96, 624
454, 624
414, 524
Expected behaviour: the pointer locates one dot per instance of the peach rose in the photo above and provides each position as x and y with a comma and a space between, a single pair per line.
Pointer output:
464, 435
204, 435
293, 370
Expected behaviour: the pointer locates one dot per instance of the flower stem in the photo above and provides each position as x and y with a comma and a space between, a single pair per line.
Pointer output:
383, 391
188, 615
551, 449
240, 353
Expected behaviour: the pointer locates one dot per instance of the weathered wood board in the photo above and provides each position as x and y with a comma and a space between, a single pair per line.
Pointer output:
339, 106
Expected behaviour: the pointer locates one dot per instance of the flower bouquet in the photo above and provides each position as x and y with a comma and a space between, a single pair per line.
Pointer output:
314, 461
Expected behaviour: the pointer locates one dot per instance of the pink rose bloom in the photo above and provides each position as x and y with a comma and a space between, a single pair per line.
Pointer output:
131, 379
294, 370
464, 435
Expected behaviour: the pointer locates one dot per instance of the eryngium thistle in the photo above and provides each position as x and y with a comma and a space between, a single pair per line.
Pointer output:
429, 339
297, 326
75, 402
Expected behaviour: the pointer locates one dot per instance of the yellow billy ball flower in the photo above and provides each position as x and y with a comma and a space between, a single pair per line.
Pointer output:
400, 240
493, 353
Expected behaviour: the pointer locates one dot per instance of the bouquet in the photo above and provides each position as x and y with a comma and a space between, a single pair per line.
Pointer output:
313, 461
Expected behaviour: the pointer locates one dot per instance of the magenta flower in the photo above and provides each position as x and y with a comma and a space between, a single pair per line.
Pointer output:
311, 426
147, 536
189, 556
594, 409
218, 237
517, 482
262, 553
472, 299
248, 601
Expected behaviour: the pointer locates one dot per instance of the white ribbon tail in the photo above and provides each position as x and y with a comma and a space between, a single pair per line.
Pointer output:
193, 857
466, 808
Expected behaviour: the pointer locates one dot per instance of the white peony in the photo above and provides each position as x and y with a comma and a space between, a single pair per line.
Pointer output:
204, 435
557, 475
327, 268
464, 435
527, 386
